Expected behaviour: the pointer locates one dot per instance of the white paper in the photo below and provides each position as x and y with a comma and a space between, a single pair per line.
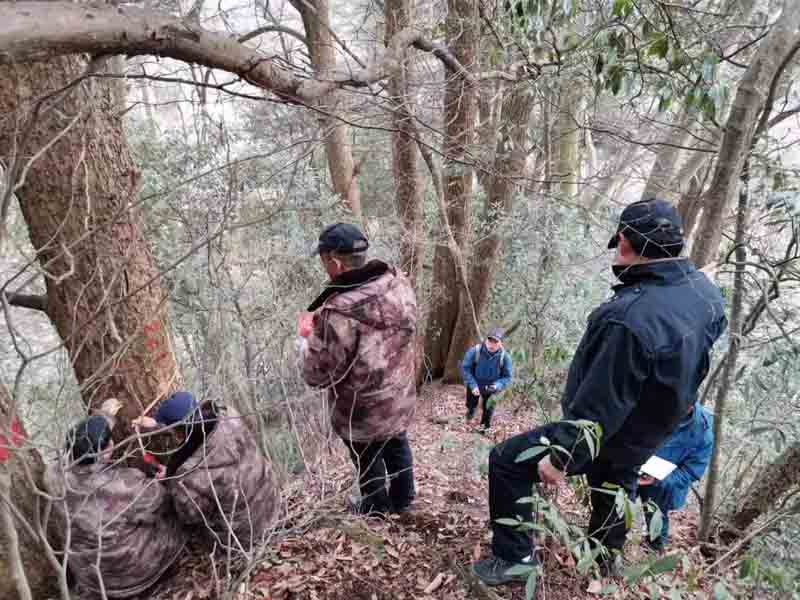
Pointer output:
658, 467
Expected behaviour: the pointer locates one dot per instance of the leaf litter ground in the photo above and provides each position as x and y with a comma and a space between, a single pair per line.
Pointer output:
324, 552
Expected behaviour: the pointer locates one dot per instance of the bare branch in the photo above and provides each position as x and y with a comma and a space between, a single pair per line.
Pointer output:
42, 30
32, 301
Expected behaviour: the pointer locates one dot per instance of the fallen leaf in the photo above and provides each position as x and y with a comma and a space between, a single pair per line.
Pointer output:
595, 587
435, 584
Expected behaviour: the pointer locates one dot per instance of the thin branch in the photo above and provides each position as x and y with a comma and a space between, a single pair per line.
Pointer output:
32, 301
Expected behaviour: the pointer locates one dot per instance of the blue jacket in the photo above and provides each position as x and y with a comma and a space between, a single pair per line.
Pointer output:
641, 360
689, 447
489, 368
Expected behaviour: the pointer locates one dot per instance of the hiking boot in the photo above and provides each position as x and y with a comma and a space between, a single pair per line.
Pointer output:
494, 570
610, 566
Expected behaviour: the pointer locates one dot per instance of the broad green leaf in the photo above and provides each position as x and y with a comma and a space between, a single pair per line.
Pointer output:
665, 564
656, 525
527, 500
721, 592
659, 47
531, 453
530, 585
507, 521
520, 570
748, 568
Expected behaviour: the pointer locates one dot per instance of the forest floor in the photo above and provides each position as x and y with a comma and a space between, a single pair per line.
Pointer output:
328, 553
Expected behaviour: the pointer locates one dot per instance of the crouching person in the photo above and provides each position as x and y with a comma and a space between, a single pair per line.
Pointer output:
689, 447
218, 478
122, 534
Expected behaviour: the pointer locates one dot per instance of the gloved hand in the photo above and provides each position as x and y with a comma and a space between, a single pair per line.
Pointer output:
476, 391
491, 388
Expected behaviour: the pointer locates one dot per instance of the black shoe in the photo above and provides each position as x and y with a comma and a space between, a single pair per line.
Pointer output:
610, 566
494, 570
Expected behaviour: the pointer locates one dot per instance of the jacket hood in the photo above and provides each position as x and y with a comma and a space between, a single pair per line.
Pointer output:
369, 295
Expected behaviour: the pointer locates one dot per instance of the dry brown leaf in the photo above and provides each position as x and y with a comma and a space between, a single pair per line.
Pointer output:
435, 584
595, 587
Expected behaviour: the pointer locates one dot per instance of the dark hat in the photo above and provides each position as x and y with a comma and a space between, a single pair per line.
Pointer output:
496, 334
343, 238
178, 407
88, 438
653, 227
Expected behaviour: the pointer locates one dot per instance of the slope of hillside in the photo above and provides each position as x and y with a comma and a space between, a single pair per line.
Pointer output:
323, 552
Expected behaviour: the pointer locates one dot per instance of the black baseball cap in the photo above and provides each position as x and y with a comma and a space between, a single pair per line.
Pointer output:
343, 238
653, 227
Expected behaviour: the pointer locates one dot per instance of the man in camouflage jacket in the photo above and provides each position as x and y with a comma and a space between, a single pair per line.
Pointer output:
360, 347
219, 480
119, 519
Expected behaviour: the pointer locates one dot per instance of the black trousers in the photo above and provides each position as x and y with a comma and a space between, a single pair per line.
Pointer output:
509, 481
487, 407
381, 460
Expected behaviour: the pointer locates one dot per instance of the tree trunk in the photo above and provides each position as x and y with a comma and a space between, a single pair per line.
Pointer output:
739, 129
26, 572
510, 157
659, 184
769, 488
78, 198
405, 153
459, 116
342, 167
735, 336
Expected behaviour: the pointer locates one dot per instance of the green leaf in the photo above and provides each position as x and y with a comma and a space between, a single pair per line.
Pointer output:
527, 500
656, 525
520, 570
530, 585
628, 513
588, 435
665, 564
659, 47
622, 8
748, 568
531, 453
721, 592
508, 522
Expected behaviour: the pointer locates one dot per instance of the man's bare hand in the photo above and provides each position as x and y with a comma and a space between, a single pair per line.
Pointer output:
548, 473
476, 392
646, 480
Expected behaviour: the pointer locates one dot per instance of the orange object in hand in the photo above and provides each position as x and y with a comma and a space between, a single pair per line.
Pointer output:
305, 323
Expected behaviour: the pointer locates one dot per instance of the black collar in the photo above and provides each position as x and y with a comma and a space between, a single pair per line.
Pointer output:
350, 279
662, 271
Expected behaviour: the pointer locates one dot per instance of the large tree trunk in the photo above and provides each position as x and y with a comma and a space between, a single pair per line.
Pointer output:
342, 167
405, 153
460, 105
510, 157
739, 129
78, 198
26, 572
769, 488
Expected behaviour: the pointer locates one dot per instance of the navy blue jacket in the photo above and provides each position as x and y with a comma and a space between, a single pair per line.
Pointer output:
487, 369
689, 447
641, 360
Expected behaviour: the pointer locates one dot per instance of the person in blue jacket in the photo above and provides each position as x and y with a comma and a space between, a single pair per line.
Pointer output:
486, 370
689, 447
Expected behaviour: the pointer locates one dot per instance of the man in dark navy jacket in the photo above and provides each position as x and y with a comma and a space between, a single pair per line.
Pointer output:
633, 378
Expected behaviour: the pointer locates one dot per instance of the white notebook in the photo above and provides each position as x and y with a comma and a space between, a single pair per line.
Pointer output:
658, 467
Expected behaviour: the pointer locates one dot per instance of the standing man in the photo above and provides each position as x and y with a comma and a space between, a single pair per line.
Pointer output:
360, 347
633, 377
689, 447
486, 370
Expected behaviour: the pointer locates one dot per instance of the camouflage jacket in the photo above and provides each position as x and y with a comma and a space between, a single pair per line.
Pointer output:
121, 515
362, 350
226, 485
